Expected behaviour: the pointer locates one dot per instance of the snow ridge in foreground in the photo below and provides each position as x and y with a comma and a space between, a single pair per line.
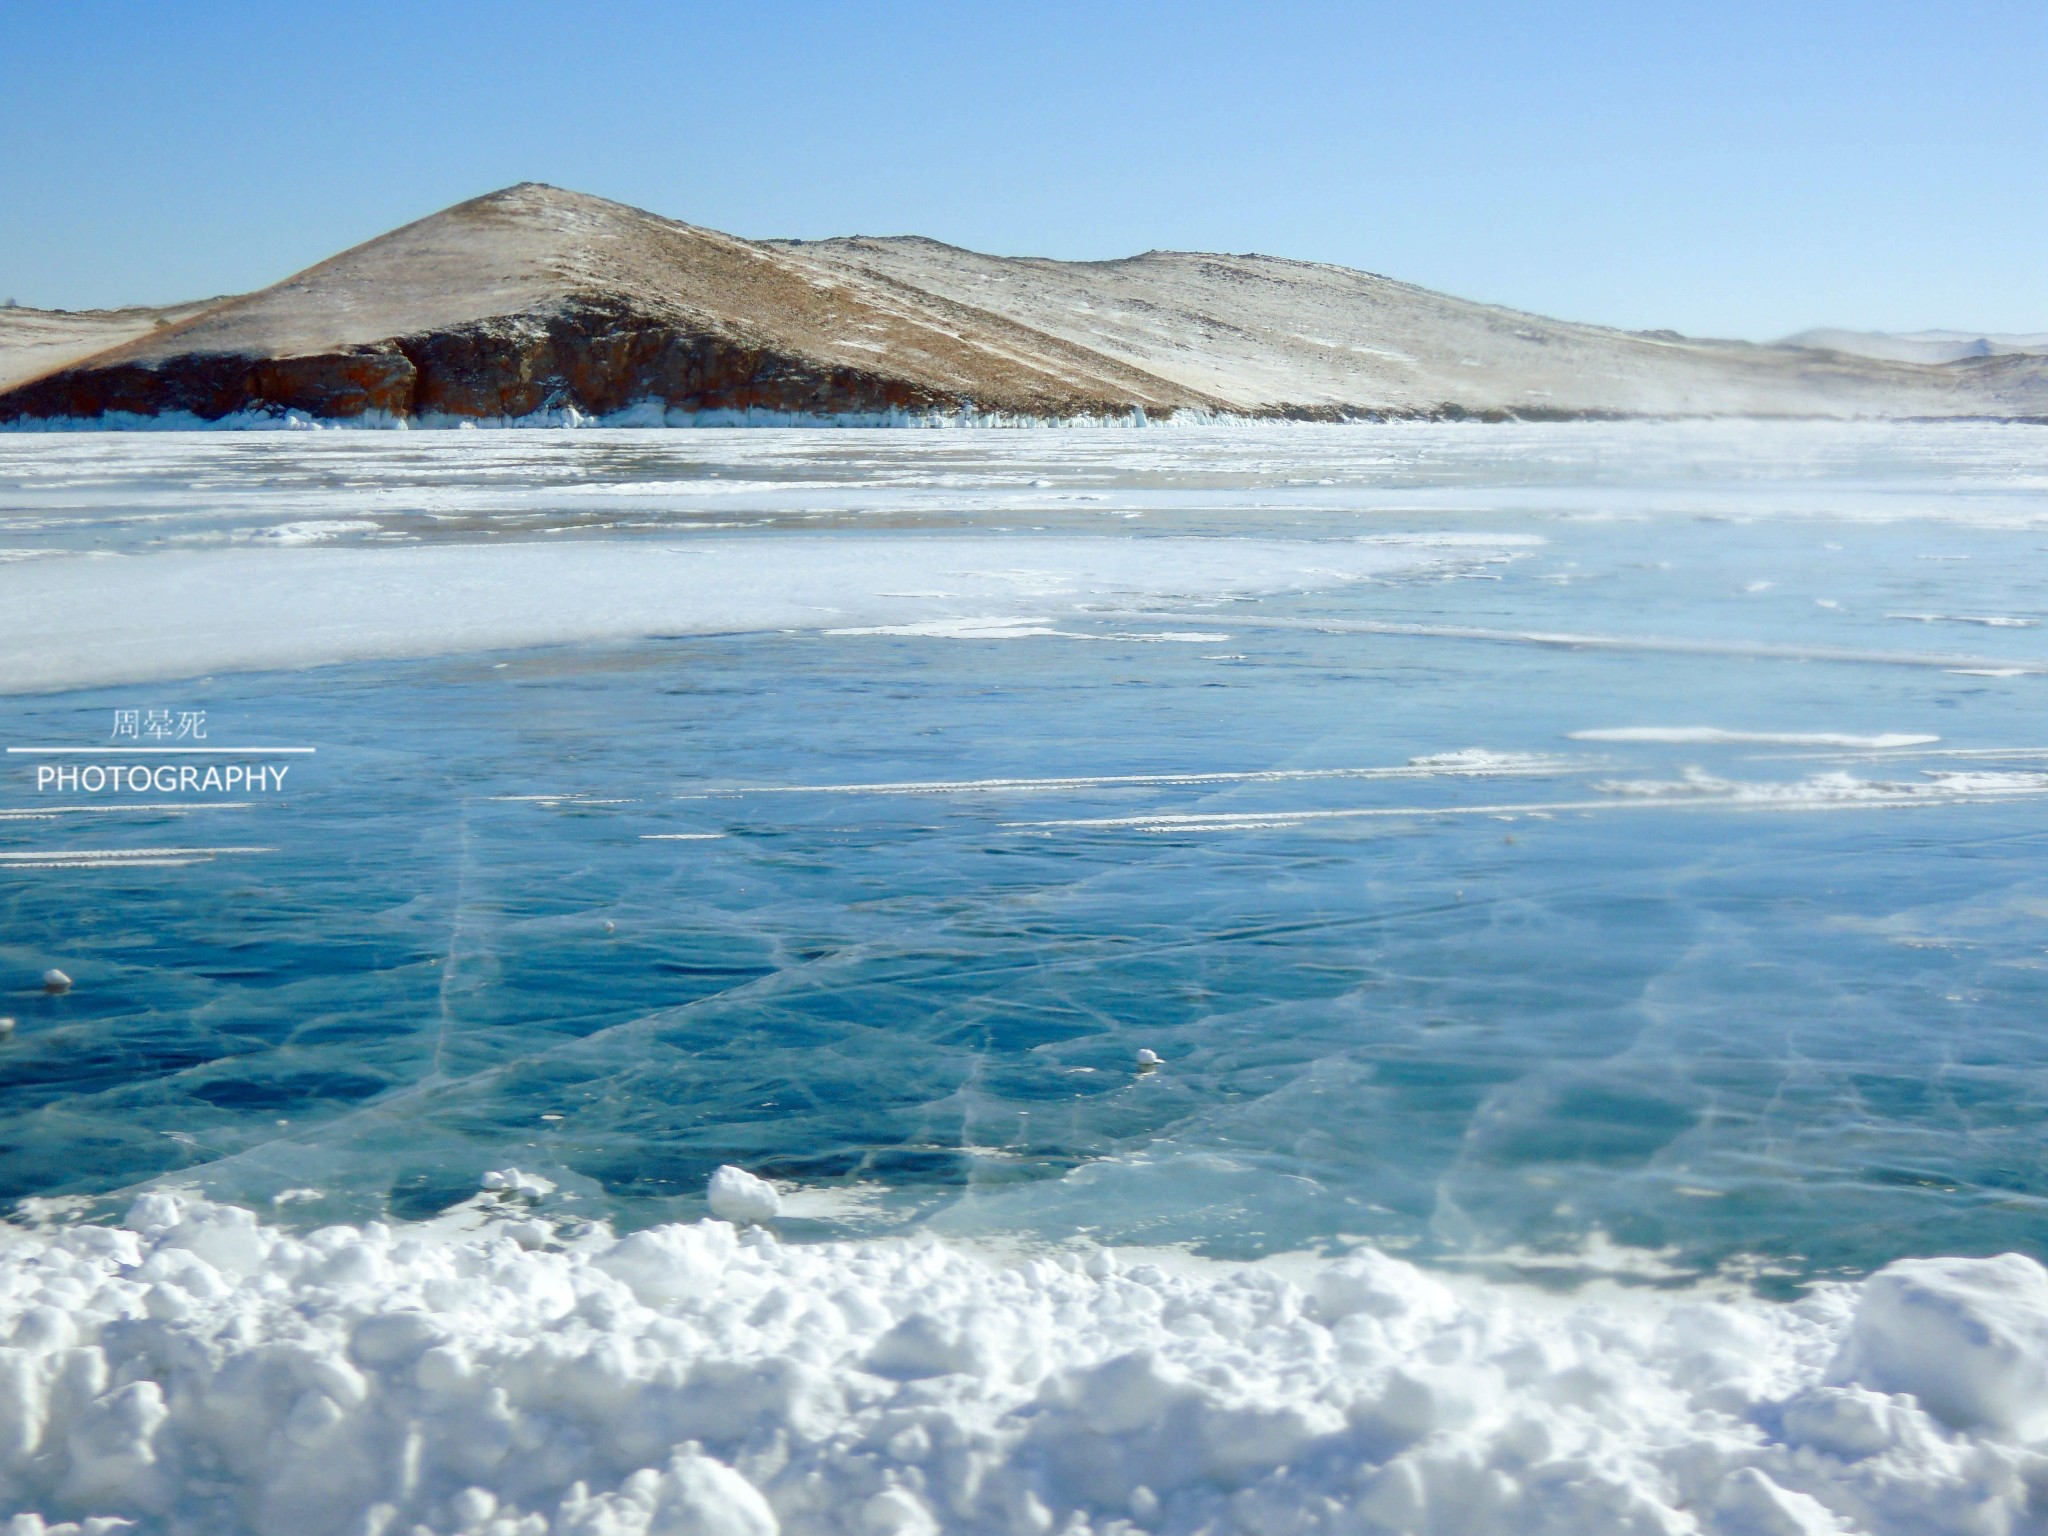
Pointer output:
199, 1371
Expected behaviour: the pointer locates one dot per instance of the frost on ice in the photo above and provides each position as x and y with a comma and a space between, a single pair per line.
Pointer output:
198, 1371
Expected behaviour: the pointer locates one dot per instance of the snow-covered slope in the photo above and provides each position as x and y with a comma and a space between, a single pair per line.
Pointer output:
535, 301
38, 341
1268, 335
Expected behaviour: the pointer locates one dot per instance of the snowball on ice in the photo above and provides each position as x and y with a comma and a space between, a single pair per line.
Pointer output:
736, 1195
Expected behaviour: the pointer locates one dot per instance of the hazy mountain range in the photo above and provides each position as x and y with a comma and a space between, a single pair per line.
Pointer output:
1920, 346
533, 303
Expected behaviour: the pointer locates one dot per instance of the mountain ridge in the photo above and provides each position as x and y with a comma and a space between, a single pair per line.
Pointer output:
532, 302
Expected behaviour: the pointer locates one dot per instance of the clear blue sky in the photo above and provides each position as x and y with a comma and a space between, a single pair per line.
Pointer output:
1727, 168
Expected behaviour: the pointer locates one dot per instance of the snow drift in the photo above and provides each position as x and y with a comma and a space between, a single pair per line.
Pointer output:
197, 1370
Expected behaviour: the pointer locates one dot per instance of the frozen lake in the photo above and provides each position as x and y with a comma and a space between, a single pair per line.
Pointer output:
1600, 864
1541, 848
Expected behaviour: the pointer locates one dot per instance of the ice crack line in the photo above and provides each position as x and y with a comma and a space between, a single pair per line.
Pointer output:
1568, 640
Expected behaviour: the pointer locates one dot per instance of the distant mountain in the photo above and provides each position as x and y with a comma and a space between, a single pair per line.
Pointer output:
533, 302
1920, 346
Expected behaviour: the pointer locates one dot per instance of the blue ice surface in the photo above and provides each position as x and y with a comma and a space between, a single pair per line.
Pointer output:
618, 915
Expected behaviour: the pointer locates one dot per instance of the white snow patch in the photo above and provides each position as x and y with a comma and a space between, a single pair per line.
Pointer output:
1968, 1338
1987, 620
313, 530
511, 1181
1710, 736
958, 629
1483, 760
1837, 788
74, 622
199, 1370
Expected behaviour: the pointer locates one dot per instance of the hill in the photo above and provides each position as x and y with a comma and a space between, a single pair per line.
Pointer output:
533, 300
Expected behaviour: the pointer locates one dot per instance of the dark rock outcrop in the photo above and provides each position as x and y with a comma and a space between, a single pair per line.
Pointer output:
587, 358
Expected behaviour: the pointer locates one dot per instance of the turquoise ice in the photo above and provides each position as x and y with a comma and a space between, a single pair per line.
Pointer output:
1629, 858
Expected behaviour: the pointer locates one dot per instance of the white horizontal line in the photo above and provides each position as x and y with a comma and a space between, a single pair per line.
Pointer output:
1175, 820
680, 837
58, 862
1194, 821
27, 812
1865, 757
566, 797
163, 751
1569, 640
1115, 781
121, 855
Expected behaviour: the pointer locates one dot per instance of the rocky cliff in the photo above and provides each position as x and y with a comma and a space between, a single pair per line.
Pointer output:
533, 301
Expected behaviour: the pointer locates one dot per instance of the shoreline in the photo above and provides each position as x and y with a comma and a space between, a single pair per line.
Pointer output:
652, 415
